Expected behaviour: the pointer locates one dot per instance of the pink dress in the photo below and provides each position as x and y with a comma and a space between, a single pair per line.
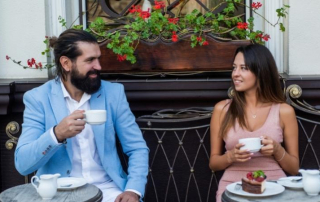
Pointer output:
268, 164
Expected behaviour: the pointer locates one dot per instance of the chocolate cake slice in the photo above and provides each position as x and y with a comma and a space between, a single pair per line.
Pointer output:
252, 186
254, 182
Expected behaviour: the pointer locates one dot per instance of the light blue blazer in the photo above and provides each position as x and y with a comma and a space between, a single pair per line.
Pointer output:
45, 107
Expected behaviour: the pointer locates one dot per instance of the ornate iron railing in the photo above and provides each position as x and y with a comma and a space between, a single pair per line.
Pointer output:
179, 155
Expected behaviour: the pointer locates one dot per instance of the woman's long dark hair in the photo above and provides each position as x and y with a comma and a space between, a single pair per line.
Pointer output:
261, 63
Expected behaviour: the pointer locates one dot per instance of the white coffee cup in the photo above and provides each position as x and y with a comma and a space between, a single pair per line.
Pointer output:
251, 144
95, 117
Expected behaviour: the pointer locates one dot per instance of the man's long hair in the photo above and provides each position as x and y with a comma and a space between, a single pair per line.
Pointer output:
67, 45
261, 63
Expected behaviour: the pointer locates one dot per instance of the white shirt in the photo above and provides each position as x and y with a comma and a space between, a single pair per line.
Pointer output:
86, 162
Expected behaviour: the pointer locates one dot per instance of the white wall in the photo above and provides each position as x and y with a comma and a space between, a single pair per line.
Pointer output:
304, 43
22, 31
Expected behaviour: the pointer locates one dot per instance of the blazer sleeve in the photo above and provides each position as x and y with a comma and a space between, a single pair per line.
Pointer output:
133, 145
35, 146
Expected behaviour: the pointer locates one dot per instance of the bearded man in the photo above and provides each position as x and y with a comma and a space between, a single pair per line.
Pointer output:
55, 137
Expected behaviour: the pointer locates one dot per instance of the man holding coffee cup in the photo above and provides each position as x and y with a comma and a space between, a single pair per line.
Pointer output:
56, 136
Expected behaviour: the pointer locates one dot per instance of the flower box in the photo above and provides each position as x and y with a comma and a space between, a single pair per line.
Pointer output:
166, 56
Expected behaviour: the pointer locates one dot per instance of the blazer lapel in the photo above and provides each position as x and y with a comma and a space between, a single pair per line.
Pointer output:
97, 102
60, 109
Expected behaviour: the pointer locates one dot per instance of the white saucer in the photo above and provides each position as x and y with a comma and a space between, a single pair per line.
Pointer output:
271, 189
286, 182
67, 183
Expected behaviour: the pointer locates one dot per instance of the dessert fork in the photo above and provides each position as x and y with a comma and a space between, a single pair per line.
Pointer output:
295, 180
238, 186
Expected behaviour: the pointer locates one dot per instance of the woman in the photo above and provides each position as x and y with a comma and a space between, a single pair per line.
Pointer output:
257, 109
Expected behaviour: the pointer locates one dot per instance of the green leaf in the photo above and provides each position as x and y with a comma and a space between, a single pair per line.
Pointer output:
220, 17
195, 12
109, 45
282, 28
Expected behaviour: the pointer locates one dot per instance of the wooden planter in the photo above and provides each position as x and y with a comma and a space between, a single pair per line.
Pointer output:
161, 56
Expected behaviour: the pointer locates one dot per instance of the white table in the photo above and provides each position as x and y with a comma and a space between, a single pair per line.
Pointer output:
289, 195
27, 193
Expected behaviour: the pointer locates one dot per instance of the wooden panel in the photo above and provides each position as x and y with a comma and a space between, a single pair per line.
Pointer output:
161, 56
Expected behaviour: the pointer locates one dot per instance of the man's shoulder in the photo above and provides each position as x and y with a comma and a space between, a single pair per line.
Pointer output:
111, 87
44, 88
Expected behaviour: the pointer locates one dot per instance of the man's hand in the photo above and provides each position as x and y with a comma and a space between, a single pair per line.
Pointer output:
127, 196
70, 126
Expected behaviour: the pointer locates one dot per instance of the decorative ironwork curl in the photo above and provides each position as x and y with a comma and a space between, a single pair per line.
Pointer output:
11, 129
230, 92
294, 92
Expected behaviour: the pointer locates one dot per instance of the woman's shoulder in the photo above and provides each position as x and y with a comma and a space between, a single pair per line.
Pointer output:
287, 113
286, 109
223, 105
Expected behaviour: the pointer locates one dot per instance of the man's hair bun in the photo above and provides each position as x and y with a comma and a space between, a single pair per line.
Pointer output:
52, 41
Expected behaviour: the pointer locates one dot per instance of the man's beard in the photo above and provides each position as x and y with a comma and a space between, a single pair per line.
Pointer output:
85, 83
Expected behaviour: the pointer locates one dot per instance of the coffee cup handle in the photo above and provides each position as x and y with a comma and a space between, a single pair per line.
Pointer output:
34, 178
84, 117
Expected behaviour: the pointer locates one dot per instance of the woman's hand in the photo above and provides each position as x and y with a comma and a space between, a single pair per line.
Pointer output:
269, 147
237, 155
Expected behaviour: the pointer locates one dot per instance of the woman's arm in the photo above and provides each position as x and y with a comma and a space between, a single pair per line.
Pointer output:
219, 161
290, 160
288, 157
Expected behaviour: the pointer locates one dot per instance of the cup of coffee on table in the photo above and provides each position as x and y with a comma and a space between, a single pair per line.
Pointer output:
95, 117
251, 144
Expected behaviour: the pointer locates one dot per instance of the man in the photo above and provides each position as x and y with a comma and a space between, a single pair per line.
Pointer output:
56, 139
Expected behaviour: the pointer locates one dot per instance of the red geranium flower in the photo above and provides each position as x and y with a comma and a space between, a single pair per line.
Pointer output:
205, 43
242, 25
174, 37
121, 57
29, 63
159, 5
255, 5
199, 39
135, 9
266, 37
145, 14
259, 35
7, 57
173, 20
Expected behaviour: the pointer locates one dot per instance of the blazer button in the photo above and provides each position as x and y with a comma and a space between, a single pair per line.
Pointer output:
68, 172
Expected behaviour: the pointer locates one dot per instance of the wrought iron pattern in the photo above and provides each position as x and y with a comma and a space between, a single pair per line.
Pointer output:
309, 132
11, 129
113, 11
179, 156
309, 138
293, 92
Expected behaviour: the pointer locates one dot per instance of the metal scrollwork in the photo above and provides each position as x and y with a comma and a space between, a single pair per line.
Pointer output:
11, 129
294, 92
230, 92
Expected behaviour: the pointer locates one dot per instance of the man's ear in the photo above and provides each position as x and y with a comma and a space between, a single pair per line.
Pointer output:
66, 63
